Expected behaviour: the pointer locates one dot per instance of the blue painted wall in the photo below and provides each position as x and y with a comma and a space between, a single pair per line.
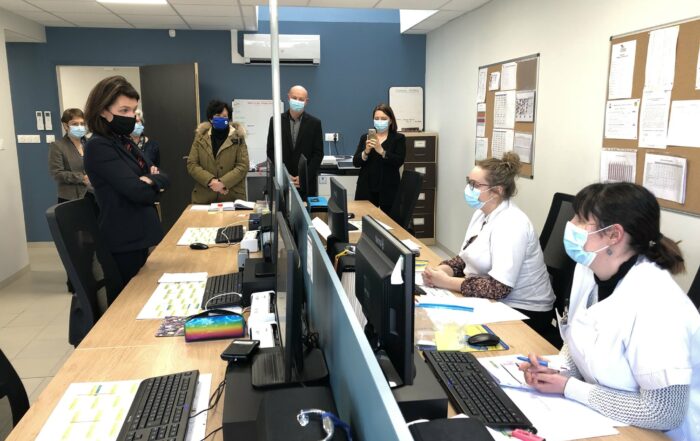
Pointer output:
359, 62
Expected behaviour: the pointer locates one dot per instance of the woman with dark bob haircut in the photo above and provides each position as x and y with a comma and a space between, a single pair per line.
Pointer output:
126, 186
630, 332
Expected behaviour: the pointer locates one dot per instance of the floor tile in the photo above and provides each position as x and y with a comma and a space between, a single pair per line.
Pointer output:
35, 367
33, 317
6, 317
30, 384
59, 364
44, 348
39, 389
55, 331
14, 339
5, 418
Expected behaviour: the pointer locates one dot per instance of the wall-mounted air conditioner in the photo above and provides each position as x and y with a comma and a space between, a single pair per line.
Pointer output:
294, 49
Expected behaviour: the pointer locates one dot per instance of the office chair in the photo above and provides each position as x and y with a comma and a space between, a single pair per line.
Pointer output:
694, 291
559, 265
405, 203
11, 387
91, 269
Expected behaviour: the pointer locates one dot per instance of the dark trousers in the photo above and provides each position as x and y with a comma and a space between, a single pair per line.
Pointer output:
129, 263
541, 322
374, 199
69, 285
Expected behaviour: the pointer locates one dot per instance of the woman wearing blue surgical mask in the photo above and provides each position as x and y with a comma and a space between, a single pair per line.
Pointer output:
218, 160
149, 148
500, 257
630, 332
66, 157
380, 156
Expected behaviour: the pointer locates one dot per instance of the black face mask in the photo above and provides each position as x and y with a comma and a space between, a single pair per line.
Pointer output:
122, 125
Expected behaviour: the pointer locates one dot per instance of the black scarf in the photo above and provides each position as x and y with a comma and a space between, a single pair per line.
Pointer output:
606, 287
217, 139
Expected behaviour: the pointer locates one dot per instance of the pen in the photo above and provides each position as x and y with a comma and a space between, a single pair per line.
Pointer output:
545, 363
441, 306
524, 435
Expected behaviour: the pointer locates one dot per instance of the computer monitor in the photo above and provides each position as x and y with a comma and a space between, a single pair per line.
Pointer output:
303, 177
337, 212
386, 301
269, 189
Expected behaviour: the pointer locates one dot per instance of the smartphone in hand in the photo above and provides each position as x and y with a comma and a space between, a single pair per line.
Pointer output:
372, 134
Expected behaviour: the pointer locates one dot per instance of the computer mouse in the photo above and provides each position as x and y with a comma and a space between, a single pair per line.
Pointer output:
199, 246
484, 339
351, 215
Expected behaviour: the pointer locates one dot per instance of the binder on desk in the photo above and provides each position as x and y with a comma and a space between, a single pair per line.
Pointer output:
317, 203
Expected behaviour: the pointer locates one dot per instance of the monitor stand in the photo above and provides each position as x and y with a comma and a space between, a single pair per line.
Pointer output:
425, 398
390, 373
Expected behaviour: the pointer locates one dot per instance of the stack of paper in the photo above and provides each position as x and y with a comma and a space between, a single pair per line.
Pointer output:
201, 235
177, 294
454, 309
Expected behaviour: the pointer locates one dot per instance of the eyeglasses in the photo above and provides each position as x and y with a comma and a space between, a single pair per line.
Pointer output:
328, 420
473, 184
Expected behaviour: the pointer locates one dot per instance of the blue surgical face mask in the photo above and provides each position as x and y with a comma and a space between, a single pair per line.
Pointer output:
381, 125
296, 105
219, 122
138, 129
575, 239
471, 196
77, 131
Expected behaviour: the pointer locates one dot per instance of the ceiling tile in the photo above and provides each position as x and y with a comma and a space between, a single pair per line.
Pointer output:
154, 21
463, 5
343, 3
445, 15
37, 15
280, 3
204, 2
208, 11
80, 18
17, 5
224, 22
97, 24
69, 6
141, 9
249, 11
411, 4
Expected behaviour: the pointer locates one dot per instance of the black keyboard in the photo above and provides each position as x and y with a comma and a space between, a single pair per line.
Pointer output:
473, 391
161, 408
268, 368
222, 291
232, 234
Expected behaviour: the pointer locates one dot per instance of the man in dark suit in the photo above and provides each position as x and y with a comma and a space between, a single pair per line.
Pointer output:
301, 134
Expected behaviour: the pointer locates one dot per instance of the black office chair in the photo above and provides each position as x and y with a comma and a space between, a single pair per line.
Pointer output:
11, 387
694, 291
405, 203
559, 265
91, 269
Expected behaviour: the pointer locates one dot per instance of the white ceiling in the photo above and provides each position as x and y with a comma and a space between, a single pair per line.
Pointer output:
208, 14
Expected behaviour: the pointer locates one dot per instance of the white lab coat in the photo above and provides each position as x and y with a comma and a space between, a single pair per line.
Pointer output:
639, 337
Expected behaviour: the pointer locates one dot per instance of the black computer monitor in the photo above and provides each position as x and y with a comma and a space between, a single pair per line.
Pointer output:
269, 189
337, 212
303, 177
387, 305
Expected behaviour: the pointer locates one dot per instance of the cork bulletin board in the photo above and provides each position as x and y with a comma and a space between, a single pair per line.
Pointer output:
683, 85
506, 110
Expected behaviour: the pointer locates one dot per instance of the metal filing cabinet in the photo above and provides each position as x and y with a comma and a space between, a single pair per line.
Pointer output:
421, 156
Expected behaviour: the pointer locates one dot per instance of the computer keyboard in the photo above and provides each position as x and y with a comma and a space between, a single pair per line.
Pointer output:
161, 408
473, 391
222, 291
231, 234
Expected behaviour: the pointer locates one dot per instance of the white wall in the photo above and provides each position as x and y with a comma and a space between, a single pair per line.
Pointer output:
76, 82
13, 239
573, 39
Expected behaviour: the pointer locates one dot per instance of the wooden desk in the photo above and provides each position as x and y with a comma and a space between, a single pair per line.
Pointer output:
120, 347
521, 338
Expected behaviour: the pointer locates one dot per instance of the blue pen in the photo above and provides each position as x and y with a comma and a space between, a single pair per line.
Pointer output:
441, 306
544, 363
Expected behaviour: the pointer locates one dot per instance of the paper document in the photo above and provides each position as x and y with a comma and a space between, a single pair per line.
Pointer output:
396, 277
348, 281
226, 206
665, 176
199, 208
622, 70
418, 278
97, 410
481, 107
504, 110
618, 166
322, 228
509, 75
484, 310
480, 129
522, 145
501, 142
182, 277
661, 59
481, 148
173, 299
653, 121
504, 369
481, 88
494, 80
435, 292
329, 160
684, 127
525, 106
201, 235
240, 204
621, 119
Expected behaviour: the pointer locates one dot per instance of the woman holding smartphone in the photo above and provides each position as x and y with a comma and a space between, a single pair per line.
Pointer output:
380, 154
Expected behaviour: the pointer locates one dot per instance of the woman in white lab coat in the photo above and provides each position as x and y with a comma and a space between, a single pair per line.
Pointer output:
629, 327
500, 257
